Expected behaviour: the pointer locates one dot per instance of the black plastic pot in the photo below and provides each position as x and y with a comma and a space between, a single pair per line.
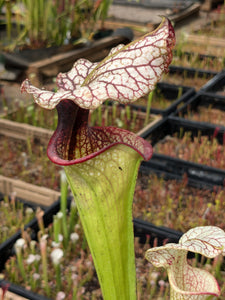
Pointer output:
216, 85
204, 174
202, 100
170, 92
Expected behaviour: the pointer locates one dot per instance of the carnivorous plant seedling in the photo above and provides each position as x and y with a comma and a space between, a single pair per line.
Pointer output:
14, 216
168, 202
101, 163
187, 282
199, 149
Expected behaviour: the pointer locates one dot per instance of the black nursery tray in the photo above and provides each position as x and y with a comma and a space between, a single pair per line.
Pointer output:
164, 197
188, 76
141, 230
6, 248
175, 94
165, 129
191, 72
204, 107
216, 85
209, 64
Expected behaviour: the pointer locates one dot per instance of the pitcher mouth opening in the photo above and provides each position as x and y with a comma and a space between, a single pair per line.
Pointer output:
75, 142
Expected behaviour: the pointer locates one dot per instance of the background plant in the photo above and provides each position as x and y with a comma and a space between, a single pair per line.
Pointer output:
27, 161
39, 266
169, 202
14, 215
42, 23
1, 5
199, 149
207, 114
184, 79
110, 114
158, 99
152, 283
195, 60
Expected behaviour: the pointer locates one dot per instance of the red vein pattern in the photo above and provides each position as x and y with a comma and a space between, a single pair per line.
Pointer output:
75, 142
128, 73
188, 282
206, 240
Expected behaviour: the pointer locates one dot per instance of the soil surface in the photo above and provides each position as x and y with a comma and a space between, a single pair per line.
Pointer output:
169, 202
199, 150
208, 115
28, 161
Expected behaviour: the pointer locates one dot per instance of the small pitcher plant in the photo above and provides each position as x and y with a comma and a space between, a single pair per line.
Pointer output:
101, 163
14, 215
186, 282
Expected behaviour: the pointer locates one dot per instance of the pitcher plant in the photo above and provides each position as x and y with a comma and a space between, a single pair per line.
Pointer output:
101, 163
